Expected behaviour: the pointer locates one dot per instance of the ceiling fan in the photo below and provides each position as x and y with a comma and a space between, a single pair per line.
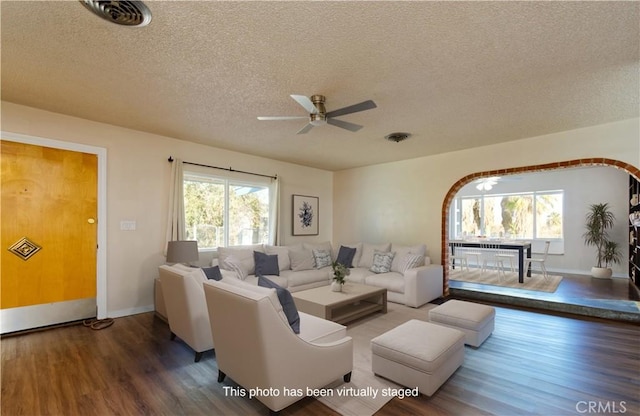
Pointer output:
319, 116
486, 184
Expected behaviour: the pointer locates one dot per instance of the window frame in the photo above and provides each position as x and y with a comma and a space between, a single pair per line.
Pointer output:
455, 212
228, 181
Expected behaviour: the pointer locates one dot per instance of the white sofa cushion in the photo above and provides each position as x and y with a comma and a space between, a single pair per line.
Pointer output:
366, 260
403, 251
301, 260
358, 275
283, 254
319, 331
326, 246
304, 277
392, 281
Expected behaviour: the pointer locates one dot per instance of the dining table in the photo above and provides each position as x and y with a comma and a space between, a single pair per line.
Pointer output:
522, 247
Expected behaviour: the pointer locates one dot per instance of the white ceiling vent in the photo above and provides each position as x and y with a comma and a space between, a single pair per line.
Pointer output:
397, 137
126, 13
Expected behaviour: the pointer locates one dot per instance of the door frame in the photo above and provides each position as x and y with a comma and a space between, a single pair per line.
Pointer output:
101, 255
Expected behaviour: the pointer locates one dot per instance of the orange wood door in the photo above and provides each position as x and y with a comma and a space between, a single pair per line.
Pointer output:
49, 196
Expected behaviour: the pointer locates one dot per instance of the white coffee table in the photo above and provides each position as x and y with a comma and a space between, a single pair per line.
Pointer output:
353, 302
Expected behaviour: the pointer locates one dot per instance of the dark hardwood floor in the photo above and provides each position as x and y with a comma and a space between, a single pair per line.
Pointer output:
576, 294
535, 364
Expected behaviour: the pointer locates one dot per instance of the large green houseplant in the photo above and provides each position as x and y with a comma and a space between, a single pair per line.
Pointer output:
599, 220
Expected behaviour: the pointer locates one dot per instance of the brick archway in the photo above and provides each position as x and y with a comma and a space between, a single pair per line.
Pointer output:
632, 170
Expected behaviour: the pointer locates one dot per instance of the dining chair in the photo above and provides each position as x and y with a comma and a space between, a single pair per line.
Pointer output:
462, 258
539, 260
490, 251
477, 254
505, 254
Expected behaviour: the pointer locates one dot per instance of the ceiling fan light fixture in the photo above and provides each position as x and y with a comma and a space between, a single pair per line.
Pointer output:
397, 137
318, 119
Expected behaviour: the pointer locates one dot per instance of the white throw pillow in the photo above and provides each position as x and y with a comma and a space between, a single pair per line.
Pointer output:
409, 261
402, 251
322, 258
382, 261
236, 266
243, 256
366, 260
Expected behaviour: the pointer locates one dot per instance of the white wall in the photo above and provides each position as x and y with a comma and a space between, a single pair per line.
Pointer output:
137, 189
582, 187
402, 201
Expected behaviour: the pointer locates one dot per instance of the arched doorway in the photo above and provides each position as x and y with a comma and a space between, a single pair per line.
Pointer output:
632, 170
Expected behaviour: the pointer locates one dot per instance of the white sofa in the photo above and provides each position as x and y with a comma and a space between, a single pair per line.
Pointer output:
297, 269
260, 357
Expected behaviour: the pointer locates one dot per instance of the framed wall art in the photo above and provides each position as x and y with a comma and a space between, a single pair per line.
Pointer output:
304, 215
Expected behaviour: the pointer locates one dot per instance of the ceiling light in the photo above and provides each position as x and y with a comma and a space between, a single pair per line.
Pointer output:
127, 13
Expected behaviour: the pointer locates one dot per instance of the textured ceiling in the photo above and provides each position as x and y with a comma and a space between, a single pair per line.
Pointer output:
454, 74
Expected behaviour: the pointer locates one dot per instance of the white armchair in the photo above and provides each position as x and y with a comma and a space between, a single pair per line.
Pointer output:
256, 347
185, 306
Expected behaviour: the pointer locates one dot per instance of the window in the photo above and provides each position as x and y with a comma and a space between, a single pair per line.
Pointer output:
225, 212
530, 215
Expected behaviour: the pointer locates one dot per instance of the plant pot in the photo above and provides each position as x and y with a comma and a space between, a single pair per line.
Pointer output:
336, 287
601, 272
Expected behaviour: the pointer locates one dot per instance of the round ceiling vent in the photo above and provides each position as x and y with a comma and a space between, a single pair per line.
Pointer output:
397, 137
127, 13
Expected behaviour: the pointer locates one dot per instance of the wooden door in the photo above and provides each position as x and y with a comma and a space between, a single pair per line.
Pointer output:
48, 232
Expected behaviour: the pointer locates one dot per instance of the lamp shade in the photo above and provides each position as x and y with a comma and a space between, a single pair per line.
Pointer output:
182, 251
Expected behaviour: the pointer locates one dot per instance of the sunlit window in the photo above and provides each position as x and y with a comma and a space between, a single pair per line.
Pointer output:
224, 212
531, 215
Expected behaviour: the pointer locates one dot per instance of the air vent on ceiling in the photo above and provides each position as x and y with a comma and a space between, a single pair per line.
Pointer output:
127, 13
397, 137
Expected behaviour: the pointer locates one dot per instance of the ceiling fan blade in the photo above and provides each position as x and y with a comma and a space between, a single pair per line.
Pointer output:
305, 129
281, 117
304, 101
344, 124
365, 105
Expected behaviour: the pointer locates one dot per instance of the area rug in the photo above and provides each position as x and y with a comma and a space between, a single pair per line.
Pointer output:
536, 282
364, 395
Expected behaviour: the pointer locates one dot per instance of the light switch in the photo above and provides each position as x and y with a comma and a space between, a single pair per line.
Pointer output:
128, 225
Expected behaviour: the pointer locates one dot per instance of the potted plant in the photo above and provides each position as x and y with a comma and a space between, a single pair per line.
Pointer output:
340, 271
599, 220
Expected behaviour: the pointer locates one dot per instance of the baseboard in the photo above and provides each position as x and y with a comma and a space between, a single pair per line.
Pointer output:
580, 272
131, 311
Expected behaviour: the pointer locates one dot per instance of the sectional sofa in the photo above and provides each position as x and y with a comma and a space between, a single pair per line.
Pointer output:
411, 283
405, 271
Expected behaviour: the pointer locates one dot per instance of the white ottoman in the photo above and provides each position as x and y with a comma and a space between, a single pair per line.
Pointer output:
418, 354
474, 319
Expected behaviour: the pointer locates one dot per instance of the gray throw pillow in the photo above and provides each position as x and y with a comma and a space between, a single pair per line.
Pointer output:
212, 272
266, 264
345, 256
286, 300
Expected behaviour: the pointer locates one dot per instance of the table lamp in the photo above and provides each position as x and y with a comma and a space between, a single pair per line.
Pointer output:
182, 252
